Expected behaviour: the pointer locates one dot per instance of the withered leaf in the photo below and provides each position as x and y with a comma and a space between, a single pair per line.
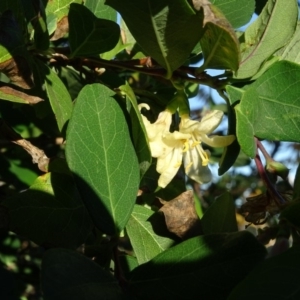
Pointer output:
18, 71
181, 216
61, 30
10, 94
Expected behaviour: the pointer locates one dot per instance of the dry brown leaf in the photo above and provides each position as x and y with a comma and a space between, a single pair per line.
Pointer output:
18, 71
181, 216
61, 30
18, 94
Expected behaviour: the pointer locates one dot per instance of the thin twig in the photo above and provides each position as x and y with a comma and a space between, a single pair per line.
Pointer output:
38, 156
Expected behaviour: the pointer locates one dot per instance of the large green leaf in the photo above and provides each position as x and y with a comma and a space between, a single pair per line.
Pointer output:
100, 153
209, 265
139, 134
59, 98
59, 8
237, 12
90, 35
276, 278
145, 242
100, 10
69, 275
270, 108
220, 216
268, 33
219, 43
50, 212
166, 30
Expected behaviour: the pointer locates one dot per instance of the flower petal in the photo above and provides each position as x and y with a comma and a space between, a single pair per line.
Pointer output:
168, 167
194, 168
210, 122
217, 141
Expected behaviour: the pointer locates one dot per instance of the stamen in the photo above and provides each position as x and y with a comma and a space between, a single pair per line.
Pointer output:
202, 153
186, 146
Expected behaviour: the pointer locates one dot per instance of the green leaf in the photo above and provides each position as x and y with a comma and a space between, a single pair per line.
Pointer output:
69, 275
209, 265
220, 216
59, 8
59, 98
268, 33
168, 25
231, 152
145, 242
276, 278
237, 12
219, 43
296, 195
50, 212
100, 153
89, 35
100, 10
291, 52
269, 108
139, 134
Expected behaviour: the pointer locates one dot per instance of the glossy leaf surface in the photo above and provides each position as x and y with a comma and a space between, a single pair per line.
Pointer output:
100, 153
270, 108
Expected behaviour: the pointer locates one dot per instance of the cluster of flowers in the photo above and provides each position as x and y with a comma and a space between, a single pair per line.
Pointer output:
171, 148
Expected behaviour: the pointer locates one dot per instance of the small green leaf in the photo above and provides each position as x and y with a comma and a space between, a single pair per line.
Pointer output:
59, 98
209, 265
237, 12
275, 278
268, 33
69, 275
269, 108
89, 35
145, 242
139, 134
50, 212
220, 216
100, 153
100, 10
162, 28
219, 43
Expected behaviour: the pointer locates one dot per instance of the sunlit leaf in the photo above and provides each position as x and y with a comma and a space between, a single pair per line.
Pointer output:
145, 242
139, 133
162, 28
100, 10
268, 33
237, 12
100, 153
59, 98
270, 108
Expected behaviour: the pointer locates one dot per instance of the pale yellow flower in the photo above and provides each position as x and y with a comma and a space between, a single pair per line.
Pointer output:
171, 147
